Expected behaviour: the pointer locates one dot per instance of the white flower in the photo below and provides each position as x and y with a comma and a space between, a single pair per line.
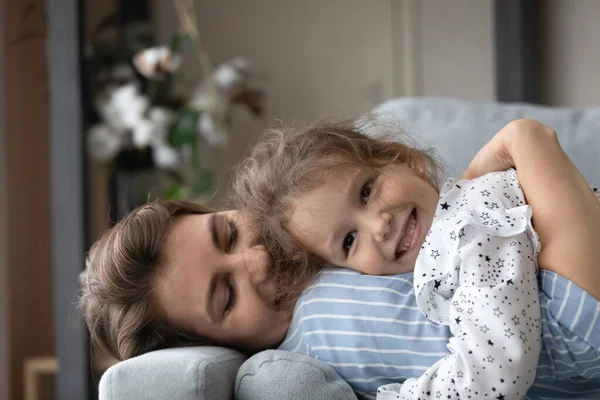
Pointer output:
124, 110
142, 133
103, 142
230, 78
233, 73
122, 107
204, 99
165, 156
109, 114
201, 99
213, 132
242, 63
161, 117
156, 62
227, 75
130, 105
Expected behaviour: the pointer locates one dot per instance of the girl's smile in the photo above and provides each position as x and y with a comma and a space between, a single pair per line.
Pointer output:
366, 220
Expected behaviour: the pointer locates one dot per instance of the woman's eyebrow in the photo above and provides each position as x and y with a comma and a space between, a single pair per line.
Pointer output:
213, 231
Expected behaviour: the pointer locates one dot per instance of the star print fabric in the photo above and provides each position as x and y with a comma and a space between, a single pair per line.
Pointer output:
477, 274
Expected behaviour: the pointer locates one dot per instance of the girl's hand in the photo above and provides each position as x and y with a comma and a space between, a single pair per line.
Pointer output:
495, 155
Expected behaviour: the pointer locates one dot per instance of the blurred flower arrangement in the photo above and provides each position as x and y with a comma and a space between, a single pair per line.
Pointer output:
141, 116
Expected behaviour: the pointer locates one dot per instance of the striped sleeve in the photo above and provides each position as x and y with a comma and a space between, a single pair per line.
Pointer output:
571, 332
367, 328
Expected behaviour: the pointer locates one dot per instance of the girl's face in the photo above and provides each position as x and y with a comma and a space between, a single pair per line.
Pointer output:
374, 222
215, 282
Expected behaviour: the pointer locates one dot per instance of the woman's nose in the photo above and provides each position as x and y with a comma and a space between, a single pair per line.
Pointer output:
255, 261
379, 224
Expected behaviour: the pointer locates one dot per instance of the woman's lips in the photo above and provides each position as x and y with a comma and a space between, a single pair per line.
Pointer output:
408, 238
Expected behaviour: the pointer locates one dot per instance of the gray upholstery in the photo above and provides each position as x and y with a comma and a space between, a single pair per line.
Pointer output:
457, 129
197, 373
256, 378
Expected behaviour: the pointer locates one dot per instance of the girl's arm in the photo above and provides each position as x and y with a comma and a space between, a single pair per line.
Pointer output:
566, 214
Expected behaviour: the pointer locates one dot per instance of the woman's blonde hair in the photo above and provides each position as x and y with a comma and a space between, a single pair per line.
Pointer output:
116, 297
286, 163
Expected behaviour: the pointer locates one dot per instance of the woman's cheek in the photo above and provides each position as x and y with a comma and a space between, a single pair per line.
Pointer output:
250, 314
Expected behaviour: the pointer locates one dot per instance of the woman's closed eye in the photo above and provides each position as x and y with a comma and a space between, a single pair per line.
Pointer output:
231, 294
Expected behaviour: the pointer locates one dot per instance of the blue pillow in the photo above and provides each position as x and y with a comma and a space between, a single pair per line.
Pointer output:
281, 375
185, 373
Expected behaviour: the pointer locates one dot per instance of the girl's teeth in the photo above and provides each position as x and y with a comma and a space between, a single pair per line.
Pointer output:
404, 243
410, 230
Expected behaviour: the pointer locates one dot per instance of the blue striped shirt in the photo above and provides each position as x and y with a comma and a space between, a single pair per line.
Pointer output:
371, 331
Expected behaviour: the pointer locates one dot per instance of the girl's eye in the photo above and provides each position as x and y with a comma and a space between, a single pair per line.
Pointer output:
232, 235
365, 191
231, 299
349, 241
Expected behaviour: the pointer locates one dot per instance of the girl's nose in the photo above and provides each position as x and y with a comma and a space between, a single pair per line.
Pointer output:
380, 226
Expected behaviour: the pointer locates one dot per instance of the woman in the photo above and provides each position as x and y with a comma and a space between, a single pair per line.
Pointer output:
168, 274
160, 278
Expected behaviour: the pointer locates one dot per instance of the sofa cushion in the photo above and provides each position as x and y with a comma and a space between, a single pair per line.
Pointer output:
458, 129
178, 374
279, 375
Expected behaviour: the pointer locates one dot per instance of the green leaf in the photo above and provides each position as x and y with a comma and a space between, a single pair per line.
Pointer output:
175, 192
203, 183
178, 40
184, 130
195, 158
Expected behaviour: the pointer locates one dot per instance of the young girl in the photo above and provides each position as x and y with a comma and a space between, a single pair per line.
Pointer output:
330, 195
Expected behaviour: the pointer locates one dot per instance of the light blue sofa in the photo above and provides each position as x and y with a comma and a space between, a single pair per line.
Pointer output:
457, 130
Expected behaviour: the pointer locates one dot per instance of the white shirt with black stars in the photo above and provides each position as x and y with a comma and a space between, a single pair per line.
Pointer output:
477, 274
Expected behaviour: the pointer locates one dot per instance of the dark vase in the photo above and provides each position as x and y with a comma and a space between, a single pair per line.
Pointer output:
132, 182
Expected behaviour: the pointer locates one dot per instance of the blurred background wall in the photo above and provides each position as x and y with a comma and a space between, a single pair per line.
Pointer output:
343, 57
570, 55
321, 58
